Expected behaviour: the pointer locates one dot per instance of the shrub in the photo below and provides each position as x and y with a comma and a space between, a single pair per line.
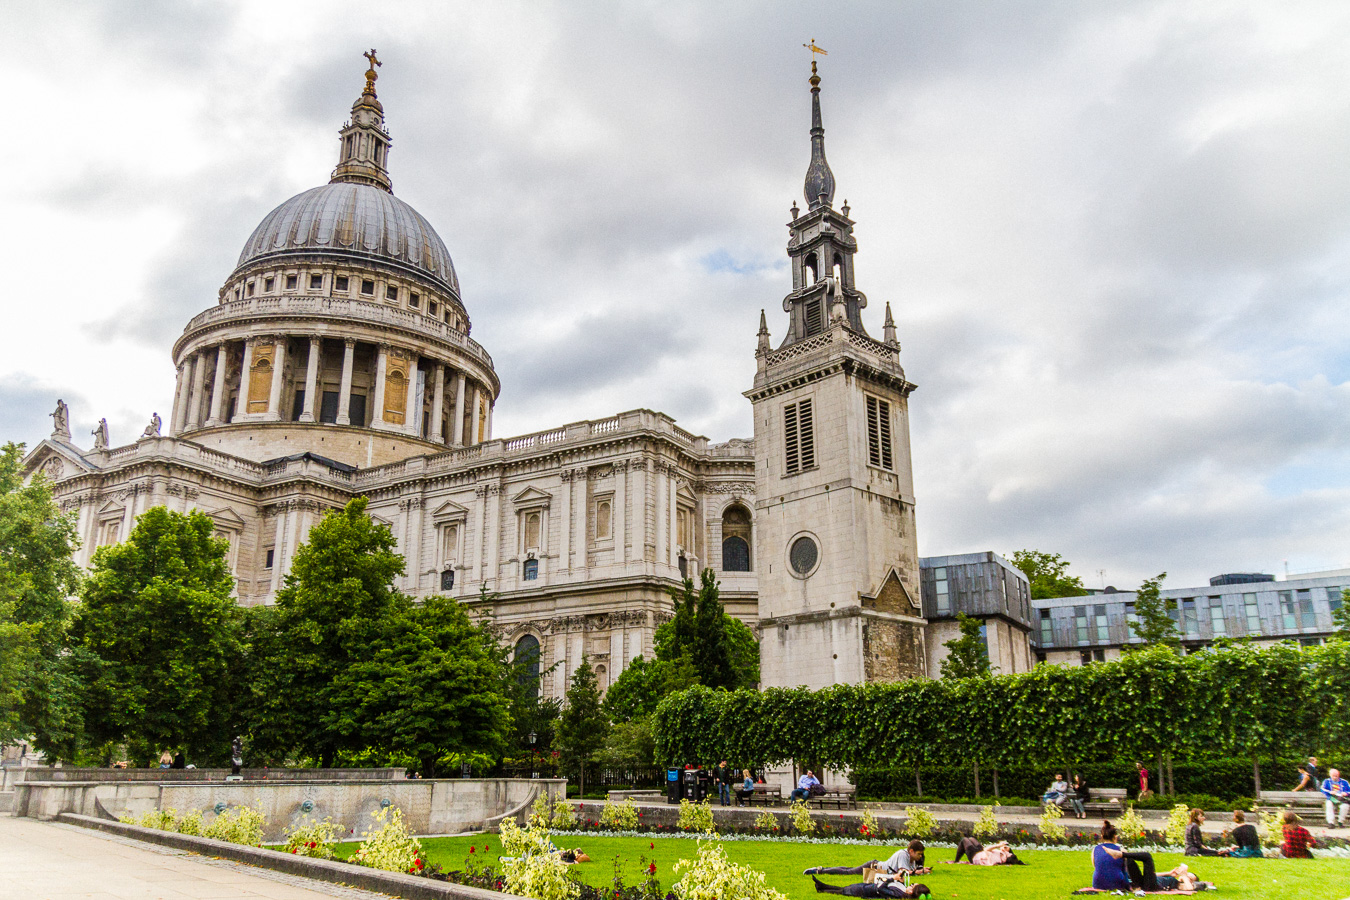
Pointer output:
695, 817
1131, 826
311, 838
766, 821
1271, 829
389, 847
986, 826
799, 814
1175, 830
711, 876
620, 815
869, 827
564, 816
190, 824
541, 813
919, 823
530, 868
238, 825
1050, 827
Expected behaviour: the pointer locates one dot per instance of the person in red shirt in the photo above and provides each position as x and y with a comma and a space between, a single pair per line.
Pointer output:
1297, 840
1143, 779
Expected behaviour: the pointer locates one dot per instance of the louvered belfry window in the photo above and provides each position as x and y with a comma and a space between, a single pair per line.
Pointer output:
879, 433
799, 442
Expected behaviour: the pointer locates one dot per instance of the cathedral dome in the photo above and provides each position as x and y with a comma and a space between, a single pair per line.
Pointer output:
357, 221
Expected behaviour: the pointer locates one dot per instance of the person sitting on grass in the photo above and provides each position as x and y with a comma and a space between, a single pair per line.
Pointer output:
882, 887
1297, 839
910, 860
1195, 838
1246, 845
1115, 869
1000, 854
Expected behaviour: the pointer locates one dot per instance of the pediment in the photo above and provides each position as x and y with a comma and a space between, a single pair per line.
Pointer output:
448, 511
227, 518
686, 493
56, 460
893, 596
111, 509
532, 496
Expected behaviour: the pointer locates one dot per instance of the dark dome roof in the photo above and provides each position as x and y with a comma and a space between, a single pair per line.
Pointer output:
357, 220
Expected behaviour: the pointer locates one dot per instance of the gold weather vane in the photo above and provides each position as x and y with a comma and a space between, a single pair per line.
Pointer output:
814, 49
371, 75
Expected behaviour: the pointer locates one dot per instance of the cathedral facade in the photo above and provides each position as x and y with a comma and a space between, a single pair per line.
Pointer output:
337, 362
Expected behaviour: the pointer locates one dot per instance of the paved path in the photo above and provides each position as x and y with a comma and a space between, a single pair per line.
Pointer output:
50, 861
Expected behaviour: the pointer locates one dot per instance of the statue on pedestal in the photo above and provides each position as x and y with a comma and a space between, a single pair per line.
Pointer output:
101, 435
152, 430
61, 421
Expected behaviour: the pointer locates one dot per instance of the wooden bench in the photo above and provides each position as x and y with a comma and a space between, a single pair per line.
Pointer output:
842, 797
767, 795
1100, 800
1281, 799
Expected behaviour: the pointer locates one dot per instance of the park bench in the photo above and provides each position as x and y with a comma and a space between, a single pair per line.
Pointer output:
767, 795
1281, 799
1100, 800
841, 797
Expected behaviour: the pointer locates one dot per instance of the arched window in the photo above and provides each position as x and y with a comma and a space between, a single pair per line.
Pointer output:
811, 268
530, 571
736, 539
532, 531
735, 554
602, 520
601, 678
448, 580
527, 662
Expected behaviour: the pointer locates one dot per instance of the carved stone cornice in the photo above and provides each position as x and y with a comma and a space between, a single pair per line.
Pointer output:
729, 487
410, 503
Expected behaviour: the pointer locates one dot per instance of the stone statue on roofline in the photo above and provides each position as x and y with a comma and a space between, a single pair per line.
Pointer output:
152, 430
61, 421
101, 435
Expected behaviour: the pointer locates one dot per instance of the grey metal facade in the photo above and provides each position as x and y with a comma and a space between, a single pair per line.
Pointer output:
977, 584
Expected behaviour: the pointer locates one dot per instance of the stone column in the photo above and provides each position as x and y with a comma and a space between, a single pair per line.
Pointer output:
475, 437
477, 559
580, 512
662, 510
438, 403
560, 657
487, 426
381, 366
194, 416
278, 547
410, 406
278, 371
637, 489
565, 522
620, 507
458, 427
494, 529
311, 377
218, 385
672, 508
292, 537
413, 552
241, 404
179, 402
345, 391
616, 659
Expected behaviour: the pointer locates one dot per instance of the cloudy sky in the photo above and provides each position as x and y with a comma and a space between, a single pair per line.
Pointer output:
1115, 236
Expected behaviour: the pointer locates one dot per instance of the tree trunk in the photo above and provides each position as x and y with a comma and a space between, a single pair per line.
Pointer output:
918, 782
995, 782
581, 784
1162, 784
977, 779
1256, 775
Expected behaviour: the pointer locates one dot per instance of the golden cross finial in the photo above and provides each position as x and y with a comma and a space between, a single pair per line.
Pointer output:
814, 49
370, 72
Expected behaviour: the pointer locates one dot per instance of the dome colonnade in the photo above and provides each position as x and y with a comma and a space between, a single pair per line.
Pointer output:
343, 313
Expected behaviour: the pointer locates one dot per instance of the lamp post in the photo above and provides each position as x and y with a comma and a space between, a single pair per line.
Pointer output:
533, 755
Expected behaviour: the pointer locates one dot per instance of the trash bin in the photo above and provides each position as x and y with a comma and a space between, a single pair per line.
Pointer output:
672, 785
691, 785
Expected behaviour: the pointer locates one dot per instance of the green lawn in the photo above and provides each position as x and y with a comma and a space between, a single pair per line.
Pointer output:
1048, 873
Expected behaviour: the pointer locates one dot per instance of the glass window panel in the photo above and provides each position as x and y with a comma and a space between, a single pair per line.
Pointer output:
1252, 612
1288, 612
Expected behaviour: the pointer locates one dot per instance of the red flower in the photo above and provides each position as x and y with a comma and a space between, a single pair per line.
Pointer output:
651, 870
472, 849
652, 845
295, 849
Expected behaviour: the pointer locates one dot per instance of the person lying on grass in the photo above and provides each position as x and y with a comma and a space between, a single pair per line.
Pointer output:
883, 887
910, 859
576, 855
1000, 854
1115, 869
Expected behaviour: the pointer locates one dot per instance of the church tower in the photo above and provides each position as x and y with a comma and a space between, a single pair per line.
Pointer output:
839, 598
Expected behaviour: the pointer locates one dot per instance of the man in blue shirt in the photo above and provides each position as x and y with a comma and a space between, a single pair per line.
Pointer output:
1337, 791
804, 785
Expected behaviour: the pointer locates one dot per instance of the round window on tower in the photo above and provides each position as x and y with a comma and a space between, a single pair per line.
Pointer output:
803, 555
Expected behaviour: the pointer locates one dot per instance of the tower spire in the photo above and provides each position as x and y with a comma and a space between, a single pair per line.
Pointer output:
819, 188
888, 332
363, 154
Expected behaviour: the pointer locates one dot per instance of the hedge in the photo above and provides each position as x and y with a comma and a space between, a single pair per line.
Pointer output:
1234, 700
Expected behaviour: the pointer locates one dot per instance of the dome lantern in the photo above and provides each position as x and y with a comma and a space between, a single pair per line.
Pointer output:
363, 155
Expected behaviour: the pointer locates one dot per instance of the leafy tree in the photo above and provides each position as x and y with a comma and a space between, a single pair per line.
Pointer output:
37, 577
1340, 619
433, 685
636, 692
583, 727
1047, 573
163, 636
629, 745
967, 656
721, 649
337, 605
1152, 622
